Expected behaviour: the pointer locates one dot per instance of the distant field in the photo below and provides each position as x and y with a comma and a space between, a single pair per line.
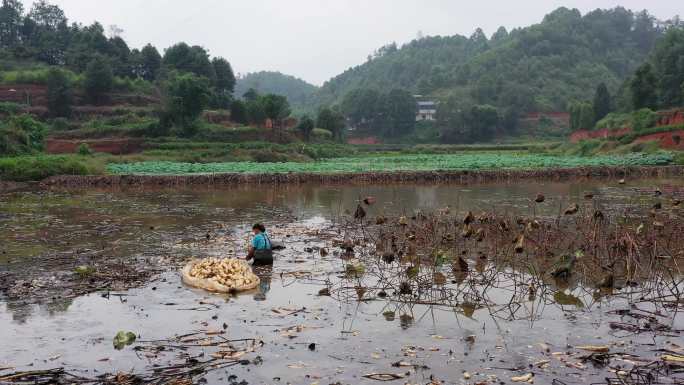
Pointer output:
466, 161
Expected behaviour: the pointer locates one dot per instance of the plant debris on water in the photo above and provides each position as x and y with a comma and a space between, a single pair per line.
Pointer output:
554, 291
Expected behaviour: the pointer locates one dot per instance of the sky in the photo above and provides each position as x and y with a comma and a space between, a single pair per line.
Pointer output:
317, 39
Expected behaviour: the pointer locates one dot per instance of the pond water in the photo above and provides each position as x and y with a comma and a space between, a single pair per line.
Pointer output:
43, 234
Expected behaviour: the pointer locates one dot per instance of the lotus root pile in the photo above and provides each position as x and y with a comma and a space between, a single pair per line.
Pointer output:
232, 273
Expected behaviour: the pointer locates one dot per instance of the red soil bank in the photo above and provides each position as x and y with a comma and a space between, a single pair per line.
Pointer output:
369, 140
673, 140
671, 117
602, 134
116, 146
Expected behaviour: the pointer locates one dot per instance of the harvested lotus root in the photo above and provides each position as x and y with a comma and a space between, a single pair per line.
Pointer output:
232, 273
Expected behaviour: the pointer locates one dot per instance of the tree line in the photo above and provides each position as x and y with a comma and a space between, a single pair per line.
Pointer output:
658, 83
546, 67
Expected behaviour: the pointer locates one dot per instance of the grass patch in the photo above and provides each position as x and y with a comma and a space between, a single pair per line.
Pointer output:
34, 168
679, 158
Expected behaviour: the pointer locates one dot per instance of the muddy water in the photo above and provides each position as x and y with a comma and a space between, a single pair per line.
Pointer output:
351, 338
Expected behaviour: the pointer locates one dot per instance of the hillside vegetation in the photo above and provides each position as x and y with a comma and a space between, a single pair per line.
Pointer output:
537, 68
298, 92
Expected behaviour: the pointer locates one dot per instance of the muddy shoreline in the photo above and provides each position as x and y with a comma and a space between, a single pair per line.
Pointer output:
457, 177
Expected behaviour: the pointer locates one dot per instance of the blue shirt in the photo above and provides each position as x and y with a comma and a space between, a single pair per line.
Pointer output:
261, 242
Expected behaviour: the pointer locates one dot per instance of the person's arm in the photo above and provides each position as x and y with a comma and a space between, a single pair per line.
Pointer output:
250, 253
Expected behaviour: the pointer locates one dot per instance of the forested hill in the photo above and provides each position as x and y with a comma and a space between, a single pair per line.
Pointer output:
542, 67
299, 93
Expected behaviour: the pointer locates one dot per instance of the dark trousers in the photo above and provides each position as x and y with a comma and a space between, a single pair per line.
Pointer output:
263, 257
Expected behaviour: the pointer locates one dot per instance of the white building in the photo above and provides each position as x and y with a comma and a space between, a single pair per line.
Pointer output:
427, 109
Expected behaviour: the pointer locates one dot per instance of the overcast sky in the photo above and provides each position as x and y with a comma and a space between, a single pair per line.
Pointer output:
317, 39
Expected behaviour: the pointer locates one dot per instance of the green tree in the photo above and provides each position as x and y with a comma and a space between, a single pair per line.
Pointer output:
47, 15
11, 19
483, 122
362, 107
276, 108
146, 63
306, 127
399, 112
500, 34
99, 79
575, 112
184, 58
602, 102
256, 114
186, 96
59, 96
669, 62
643, 88
238, 112
333, 121
586, 118
251, 95
225, 78
460, 123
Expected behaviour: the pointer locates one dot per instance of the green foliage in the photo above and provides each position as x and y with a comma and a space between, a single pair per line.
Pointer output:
582, 116
321, 135
238, 112
643, 88
146, 62
9, 108
333, 121
83, 150
637, 120
99, 79
390, 115
276, 107
256, 113
399, 112
225, 78
538, 68
643, 118
59, 96
21, 134
668, 57
602, 102
184, 58
471, 161
44, 35
186, 95
467, 124
306, 127
298, 92
679, 158
33, 168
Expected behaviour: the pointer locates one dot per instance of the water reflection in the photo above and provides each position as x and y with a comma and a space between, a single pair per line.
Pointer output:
265, 274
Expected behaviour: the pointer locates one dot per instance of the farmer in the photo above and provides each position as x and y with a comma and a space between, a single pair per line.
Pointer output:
260, 250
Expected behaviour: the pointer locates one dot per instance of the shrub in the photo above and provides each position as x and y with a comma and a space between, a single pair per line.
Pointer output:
679, 158
59, 97
21, 134
99, 79
320, 134
637, 120
9, 108
268, 156
588, 147
60, 124
643, 118
32, 168
83, 150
